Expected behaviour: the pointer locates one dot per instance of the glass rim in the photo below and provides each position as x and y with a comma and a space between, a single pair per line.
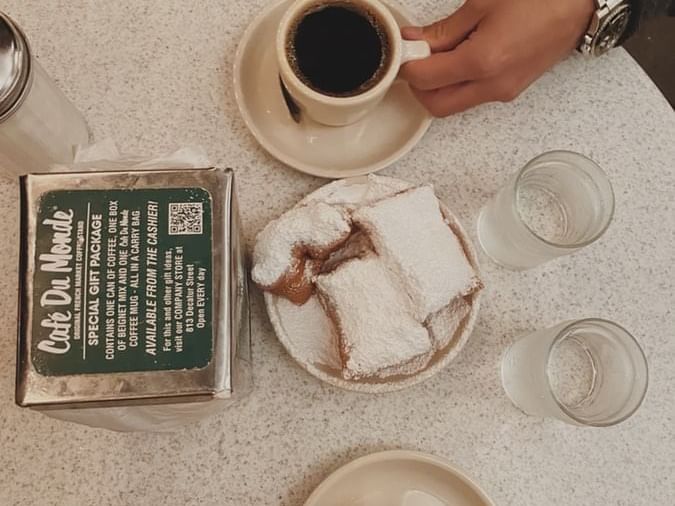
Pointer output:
561, 334
573, 246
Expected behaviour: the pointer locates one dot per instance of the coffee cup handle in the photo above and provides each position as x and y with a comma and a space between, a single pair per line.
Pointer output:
414, 50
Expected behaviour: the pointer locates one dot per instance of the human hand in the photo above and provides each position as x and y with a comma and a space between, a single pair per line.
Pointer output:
491, 50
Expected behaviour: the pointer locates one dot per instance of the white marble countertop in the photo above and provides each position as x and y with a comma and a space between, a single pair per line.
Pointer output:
155, 75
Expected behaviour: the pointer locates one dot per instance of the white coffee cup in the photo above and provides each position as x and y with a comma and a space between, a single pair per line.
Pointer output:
340, 111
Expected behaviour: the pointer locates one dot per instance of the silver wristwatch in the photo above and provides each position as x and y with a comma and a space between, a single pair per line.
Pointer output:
607, 25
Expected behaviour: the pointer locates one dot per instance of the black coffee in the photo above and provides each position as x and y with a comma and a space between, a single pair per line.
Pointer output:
338, 49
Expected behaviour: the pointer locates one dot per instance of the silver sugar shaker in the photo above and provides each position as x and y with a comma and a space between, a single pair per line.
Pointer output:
39, 126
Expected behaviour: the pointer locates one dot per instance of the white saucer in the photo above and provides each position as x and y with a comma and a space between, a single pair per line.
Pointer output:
398, 478
306, 332
375, 142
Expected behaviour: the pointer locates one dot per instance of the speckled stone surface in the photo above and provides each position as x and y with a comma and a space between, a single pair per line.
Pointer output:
156, 75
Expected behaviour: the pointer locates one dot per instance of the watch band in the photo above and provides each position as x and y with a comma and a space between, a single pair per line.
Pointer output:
604, 9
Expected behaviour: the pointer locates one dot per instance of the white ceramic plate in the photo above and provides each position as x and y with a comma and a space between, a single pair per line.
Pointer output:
398, 478
299, 328
375, 142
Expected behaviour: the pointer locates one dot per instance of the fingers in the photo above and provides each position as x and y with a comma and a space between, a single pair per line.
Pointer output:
452, 99
447, 33
484, 52
466, 62
460, 97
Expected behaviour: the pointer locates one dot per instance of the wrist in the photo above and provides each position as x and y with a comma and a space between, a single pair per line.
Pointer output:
608, 24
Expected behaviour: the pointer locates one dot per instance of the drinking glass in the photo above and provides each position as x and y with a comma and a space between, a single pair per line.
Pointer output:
558, 203
589, 372
39, 126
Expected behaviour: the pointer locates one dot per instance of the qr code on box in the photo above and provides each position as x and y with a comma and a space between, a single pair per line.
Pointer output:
186, 218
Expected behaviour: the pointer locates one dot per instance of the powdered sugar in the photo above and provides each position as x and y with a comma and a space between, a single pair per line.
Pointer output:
409, 233
315, 226
308, 333
357, 246
444, 324
358, 191
313, 334
378, 332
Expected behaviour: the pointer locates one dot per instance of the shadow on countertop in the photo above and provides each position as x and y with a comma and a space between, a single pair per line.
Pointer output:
653, 47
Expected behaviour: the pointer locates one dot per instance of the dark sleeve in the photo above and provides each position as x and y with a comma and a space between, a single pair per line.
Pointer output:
642, 10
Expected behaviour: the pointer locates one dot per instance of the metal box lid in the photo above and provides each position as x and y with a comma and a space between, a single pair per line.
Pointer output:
126, 288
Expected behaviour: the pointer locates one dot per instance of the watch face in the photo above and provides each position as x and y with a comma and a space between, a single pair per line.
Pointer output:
611, 30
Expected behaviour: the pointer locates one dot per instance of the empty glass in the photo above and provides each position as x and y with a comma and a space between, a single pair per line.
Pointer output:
584, 372
558, 203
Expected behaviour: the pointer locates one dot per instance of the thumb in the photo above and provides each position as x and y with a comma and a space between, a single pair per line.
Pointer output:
447, 33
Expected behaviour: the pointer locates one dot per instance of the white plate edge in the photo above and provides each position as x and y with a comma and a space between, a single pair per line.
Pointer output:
387, 387
415, 456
